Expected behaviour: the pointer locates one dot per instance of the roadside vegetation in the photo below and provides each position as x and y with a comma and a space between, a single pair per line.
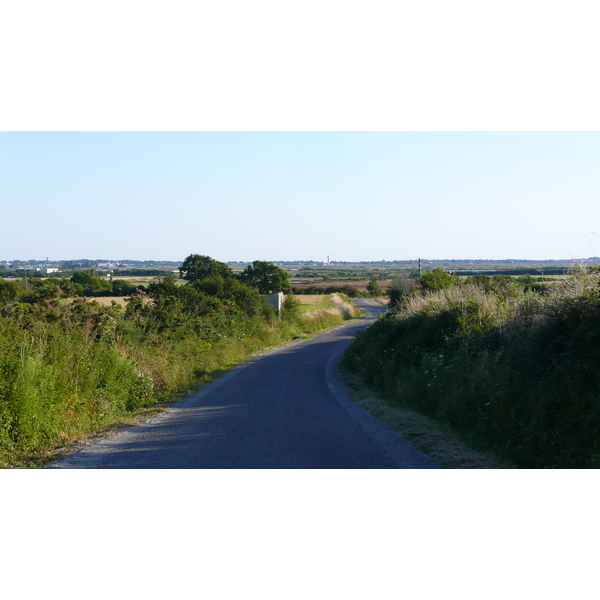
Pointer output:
69, 366
325, 307
509, 365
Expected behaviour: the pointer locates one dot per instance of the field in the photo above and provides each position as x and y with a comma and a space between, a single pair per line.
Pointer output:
312, 306
120, 301
311, 302
359, 284
314, 303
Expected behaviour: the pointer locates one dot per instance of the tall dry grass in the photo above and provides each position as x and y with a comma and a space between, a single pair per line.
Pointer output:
341, 310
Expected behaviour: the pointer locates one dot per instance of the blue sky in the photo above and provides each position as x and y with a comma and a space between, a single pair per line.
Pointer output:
287, 133
299, 195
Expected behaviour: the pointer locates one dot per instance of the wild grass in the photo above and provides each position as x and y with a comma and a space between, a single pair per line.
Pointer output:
331, 306
309, 301
424, 433
515, 371
68, 369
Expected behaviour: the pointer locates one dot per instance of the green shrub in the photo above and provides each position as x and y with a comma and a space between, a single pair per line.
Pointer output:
9, 291
435, 279
290, 311
513, 371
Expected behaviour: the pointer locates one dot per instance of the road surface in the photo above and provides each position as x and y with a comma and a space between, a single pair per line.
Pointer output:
286, 409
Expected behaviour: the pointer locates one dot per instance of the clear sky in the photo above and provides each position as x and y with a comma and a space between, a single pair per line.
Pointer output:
299, 195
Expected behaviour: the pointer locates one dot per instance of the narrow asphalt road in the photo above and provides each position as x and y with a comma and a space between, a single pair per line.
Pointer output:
285, 409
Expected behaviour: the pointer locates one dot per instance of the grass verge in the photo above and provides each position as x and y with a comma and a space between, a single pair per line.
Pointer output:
424, 433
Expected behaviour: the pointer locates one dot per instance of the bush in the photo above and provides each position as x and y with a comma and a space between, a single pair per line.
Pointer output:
401, 289
373, 288
290, 311
312, 290
435, 280
123, 288
91, 284
9, 291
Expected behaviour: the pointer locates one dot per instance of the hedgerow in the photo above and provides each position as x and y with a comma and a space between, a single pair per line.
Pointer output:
513, 370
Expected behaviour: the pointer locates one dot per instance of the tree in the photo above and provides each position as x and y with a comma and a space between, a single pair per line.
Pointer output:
232, 292
266, 277
91, 283
197, 267
121, 287
435, 280
373, 288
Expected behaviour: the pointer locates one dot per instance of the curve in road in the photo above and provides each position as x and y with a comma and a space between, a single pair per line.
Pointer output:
285, 409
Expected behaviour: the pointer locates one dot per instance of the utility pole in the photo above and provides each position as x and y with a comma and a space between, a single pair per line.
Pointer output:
419, 267
25, 275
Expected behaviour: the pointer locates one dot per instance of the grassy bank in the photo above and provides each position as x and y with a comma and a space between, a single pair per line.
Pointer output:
327, 307
424, 433
514, 371
68, 368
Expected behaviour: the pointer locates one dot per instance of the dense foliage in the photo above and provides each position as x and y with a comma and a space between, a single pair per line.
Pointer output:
349, 290
514, 369
197, 267
69, 366
266, 277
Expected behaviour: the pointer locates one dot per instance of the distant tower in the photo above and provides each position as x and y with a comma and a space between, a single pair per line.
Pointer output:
328, 259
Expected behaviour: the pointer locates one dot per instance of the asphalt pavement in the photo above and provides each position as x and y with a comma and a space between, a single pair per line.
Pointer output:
286, 409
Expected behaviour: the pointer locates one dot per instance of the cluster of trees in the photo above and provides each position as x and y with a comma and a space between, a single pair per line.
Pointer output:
314, 290
212, 290
205, 274
87, 283
265, 277
83, 283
